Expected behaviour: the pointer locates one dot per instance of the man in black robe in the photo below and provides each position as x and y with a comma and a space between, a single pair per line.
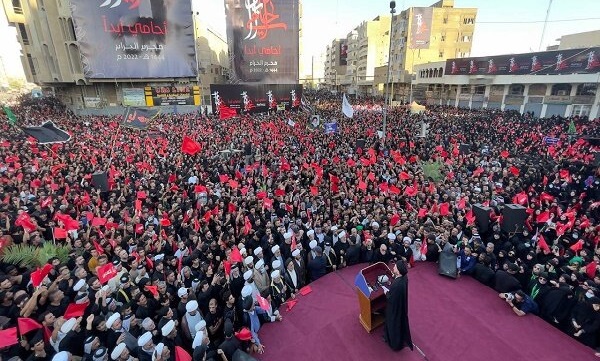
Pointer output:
397, 329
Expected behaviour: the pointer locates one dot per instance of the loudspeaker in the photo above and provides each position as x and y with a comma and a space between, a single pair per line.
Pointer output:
360, 144
100, 181
447, 266
464, 149
513, 218
482, 217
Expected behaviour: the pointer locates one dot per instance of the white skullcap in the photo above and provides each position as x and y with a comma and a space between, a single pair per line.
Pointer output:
182, 292
191, 306
198, 339
241, 246
295, 253
375, 225
79, 285
200, 326
275, 274
117, 351
276, 264
246, 291
406, 239
158, 349
310, 232
312, 244
288, 235
167, 328
391, 236
61, 356
247, 275
147, 322
334, 228
243, 252
68, 325
248, 260
259, 264
257, 250
274, 249
144, 339
111, 320
342, 234
158, 257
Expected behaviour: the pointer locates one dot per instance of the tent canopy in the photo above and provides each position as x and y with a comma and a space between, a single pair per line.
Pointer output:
415, 108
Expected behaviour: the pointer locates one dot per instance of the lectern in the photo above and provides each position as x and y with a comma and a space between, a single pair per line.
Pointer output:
371, 297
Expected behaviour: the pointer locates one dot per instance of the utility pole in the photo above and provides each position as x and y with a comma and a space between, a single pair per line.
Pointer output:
387, 83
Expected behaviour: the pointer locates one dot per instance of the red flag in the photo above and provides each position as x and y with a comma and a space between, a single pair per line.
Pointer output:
223, 178
590, 269
578, 246
444, 209
27, 324
190, 146
38, 275
546, 197
261, 195
263, 303
233, 183
520, 198
543, 217
470, 217
152, 289
410, 191
279, 192
542, 244
545, 181
196, 224
462, 203
181, 354
395, 190
60, 233
75, 310
564, 173
422, 212
362, 185
165, 222
305, 290
98, 248
98, 221
231, 208
477, 172
514, 170
207, 216
504, 154
227, 267
247, 225
394, 220
46, 202
236, 256
404, 176
561, 228
106, 273
314, 190
8, 337
226, 112
290, 304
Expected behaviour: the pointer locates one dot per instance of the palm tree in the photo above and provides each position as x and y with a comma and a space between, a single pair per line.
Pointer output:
25, 255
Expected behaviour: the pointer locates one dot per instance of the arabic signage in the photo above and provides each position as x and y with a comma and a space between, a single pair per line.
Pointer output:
255, 98
420, 29
172, 95
263, 40
134, 38
134, 97
92, 102
540, 63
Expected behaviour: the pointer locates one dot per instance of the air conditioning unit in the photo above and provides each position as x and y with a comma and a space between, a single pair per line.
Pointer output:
561, 92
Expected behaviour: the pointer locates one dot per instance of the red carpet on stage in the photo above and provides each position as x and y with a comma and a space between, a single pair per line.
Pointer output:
450, 320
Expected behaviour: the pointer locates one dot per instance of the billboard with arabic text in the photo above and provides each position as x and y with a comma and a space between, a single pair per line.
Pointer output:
135, 38
263, 40
567, 61
420, 29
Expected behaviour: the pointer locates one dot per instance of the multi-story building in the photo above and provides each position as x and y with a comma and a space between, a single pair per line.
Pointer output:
450, 31
577, 40
551, 83
336, 61
51, 58
366, 49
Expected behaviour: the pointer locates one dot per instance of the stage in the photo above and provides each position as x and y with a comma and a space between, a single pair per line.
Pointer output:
450, 320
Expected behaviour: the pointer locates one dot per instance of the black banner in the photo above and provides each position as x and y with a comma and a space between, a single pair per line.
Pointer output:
135, 39
47, 133
263, 40
540, 63
255, 98
343, 52
138, 118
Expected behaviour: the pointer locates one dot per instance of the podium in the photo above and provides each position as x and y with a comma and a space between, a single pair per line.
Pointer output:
371, 297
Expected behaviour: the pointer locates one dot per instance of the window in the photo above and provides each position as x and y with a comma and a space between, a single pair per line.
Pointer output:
443, 38
537, 89
31, 65
441, 72
480, 89
465, 89
23, 33
445, 20
561, 89
466, 38
469, 21
581, 110
17, 8
441, 54
587, 89
516, 89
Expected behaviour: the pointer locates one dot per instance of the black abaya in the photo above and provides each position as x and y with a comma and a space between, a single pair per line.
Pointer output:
397, 329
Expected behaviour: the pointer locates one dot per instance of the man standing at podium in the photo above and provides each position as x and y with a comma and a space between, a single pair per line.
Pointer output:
397, 330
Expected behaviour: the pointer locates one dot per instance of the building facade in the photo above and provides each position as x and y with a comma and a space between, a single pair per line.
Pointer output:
544, 95
51, 58
450, 36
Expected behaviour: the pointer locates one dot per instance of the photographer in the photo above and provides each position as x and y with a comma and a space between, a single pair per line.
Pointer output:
520, 303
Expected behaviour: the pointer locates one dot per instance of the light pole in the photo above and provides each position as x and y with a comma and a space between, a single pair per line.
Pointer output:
387, 83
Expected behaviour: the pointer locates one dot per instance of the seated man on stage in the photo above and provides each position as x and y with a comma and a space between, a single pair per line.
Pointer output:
397, 328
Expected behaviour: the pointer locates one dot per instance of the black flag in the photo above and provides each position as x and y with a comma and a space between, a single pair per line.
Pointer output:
138, 118
47, 133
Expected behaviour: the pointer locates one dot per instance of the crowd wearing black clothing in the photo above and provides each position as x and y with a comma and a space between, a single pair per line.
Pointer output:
206, 248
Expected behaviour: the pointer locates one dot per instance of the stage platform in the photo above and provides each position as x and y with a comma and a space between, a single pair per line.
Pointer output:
451, 320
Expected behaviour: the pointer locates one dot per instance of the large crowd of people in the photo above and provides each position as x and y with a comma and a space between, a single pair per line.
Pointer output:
202, 250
